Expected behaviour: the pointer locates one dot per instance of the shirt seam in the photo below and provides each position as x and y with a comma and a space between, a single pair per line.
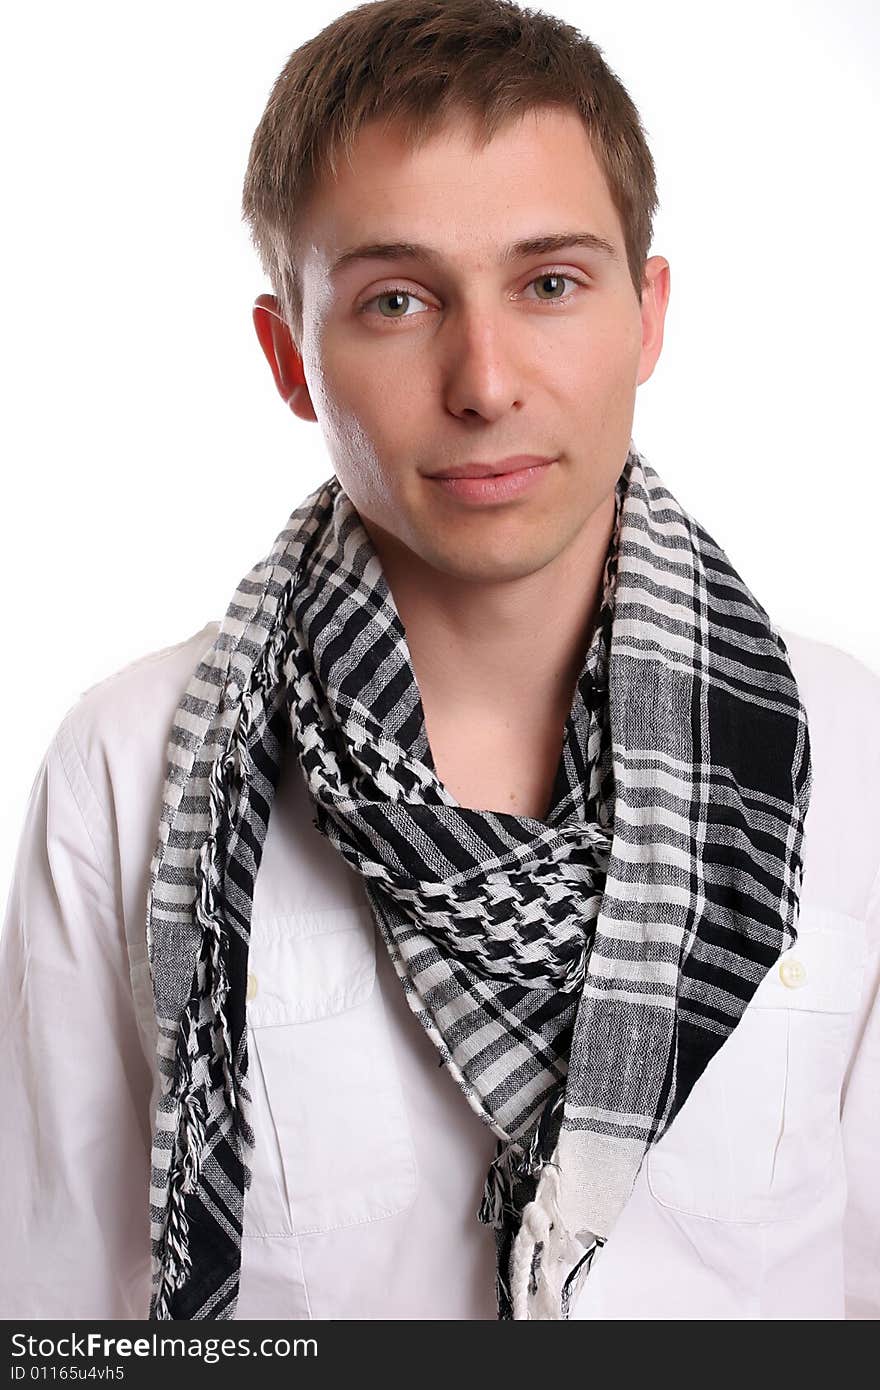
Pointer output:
873, 896
87, 801
83, 792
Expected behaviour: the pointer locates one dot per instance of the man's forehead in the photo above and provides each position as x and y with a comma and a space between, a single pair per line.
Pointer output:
536, 181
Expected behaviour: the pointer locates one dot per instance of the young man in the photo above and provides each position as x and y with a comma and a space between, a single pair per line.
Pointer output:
506, 861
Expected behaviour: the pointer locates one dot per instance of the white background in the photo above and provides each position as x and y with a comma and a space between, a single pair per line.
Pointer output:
135, 385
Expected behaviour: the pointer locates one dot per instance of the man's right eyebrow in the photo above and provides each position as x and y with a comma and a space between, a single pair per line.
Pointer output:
385, 251
545, 244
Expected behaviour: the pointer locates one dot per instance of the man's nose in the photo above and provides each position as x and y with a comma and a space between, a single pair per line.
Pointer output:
481, 372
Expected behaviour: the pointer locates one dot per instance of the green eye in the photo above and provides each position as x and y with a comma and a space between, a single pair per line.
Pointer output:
399, 301
555, 282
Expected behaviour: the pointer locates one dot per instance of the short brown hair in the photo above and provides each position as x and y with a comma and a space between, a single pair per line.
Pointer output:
417, 62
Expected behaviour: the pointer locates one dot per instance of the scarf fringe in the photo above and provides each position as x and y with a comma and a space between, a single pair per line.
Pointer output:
229, 780
526, 1236
548, 1263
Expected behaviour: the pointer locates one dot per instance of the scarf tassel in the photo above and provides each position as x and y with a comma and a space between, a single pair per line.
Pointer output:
229, 779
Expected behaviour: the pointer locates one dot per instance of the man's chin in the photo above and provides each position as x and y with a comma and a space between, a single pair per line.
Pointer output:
486, 565
435, 548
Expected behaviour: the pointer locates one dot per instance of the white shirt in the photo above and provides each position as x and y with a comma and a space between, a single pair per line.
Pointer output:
761, 1201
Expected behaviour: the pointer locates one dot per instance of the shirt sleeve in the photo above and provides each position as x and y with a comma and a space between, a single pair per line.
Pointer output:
861, 1139
75, 1084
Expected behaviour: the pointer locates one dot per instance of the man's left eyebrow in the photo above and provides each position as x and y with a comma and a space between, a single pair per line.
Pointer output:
559, 241
546, 244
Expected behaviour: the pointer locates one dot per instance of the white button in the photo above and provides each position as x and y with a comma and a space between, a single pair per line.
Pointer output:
251, 985
793, 973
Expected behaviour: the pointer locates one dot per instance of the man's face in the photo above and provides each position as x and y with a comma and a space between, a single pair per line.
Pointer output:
415, 366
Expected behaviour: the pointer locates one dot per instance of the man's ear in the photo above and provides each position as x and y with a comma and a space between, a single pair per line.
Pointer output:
282, 355
655, 298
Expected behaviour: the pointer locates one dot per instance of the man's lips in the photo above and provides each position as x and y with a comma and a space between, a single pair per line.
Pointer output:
483, 484
498, 469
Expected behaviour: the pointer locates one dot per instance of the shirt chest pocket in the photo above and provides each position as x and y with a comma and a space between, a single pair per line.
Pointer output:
759, 1135
333, 1146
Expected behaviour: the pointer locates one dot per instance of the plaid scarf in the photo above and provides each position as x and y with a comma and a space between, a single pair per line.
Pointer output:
577, 973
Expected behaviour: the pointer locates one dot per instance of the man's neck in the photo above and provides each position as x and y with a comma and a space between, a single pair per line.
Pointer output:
497, 663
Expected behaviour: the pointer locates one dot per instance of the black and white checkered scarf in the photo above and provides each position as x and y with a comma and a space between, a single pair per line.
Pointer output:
575, 973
